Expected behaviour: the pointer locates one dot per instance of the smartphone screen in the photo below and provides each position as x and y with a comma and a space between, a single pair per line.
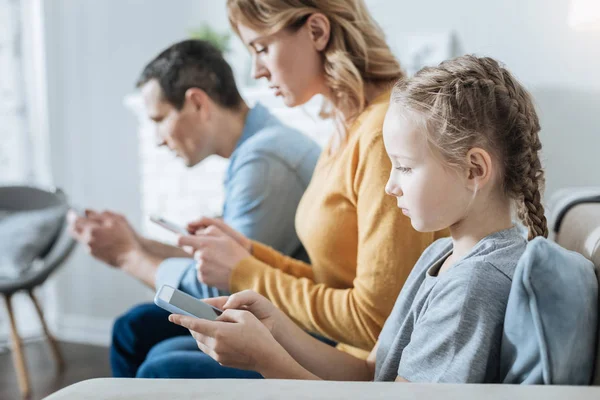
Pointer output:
193, 305
169, 225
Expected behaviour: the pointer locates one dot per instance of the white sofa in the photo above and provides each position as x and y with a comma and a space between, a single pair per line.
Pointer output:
133, 389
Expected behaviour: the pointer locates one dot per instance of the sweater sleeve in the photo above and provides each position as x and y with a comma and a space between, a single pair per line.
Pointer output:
284, 263
388, 247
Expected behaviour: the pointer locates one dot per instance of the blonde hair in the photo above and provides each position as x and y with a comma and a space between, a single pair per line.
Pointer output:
475, 102
355, 55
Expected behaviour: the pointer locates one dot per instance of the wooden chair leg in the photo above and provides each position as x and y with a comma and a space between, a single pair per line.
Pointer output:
17, 351
53, 345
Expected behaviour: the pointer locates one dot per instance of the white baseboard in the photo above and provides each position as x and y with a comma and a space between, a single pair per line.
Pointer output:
65, 327
27, 320
25, 333
70, 328
83, 329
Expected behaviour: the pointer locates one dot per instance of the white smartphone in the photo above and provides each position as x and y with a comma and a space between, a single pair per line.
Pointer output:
173, 227
178, 302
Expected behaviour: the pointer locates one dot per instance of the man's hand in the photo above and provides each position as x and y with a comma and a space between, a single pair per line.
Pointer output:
107, 236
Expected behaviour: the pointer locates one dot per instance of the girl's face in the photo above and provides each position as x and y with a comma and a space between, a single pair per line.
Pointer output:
431, 194
290, 61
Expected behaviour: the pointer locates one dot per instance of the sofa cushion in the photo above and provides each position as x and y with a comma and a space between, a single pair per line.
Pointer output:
551, 319
580, 232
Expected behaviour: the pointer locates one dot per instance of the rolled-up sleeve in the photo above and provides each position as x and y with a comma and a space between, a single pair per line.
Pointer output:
180, 273
172, 270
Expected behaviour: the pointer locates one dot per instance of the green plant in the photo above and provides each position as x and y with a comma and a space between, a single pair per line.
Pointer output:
217, 39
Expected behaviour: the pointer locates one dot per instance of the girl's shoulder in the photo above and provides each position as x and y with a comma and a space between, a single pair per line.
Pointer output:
498, 254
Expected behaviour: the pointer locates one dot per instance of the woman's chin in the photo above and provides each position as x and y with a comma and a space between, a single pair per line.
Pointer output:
294, 101
289, 101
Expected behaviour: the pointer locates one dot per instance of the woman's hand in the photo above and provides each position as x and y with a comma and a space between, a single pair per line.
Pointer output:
204, 225
217, 254
237, 339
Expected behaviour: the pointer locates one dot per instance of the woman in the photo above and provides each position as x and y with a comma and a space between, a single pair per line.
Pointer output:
361, 246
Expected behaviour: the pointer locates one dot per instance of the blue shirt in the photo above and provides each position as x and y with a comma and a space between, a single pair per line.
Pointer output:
269, 170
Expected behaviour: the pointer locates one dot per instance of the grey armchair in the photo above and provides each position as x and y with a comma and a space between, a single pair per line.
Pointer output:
28, 199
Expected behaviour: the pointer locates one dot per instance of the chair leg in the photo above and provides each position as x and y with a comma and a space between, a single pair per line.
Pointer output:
53, 345
18, 358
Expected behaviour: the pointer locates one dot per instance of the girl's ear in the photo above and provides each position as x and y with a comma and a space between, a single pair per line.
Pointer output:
319, 30
479, 168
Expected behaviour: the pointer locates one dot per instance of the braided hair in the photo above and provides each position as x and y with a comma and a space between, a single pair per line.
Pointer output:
475, 102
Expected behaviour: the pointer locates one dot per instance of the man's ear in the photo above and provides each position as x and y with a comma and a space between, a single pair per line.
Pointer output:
198, 101
480, 168
319, 30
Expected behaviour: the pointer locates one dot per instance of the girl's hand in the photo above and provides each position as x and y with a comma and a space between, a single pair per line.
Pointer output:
265, 311
216, 254
205, 226
237, 339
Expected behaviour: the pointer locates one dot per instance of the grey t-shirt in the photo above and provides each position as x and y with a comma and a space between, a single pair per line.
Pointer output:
448, 328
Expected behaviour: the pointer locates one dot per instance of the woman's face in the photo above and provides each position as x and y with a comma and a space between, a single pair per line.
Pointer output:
290, 61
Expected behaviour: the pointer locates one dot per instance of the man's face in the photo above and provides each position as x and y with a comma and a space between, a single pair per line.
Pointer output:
182, 131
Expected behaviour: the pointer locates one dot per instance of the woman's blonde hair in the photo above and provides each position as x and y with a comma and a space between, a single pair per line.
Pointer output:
355, 55
475, 102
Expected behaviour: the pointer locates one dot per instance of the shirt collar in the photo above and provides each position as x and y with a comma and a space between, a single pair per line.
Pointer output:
255, 120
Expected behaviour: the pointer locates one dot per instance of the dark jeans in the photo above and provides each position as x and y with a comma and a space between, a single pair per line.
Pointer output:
146, 345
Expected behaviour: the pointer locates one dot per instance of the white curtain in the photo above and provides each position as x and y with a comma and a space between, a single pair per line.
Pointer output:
24, 150
15, 138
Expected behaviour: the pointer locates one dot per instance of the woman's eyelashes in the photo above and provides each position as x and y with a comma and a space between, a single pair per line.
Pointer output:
404, 170
260, 49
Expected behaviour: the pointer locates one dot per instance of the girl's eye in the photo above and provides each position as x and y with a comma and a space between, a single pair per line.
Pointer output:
403, 170
261, 50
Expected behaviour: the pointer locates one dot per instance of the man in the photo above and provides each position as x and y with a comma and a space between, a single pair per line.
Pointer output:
190, 94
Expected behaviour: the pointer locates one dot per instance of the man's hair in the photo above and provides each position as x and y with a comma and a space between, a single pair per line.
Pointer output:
192, 64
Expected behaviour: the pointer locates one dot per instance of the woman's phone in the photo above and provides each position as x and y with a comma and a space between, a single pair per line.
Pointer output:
171, 226
178, 302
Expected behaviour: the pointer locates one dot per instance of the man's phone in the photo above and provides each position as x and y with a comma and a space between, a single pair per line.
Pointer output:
74, 213
178, 302
79, 211
173, 227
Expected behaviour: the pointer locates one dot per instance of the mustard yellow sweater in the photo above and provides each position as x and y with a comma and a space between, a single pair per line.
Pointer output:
361, 246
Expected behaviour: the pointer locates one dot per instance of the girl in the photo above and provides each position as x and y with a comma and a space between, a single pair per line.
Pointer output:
463, 142
360, 245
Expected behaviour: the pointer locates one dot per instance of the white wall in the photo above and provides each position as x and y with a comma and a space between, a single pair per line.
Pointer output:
95, 49
561, 68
